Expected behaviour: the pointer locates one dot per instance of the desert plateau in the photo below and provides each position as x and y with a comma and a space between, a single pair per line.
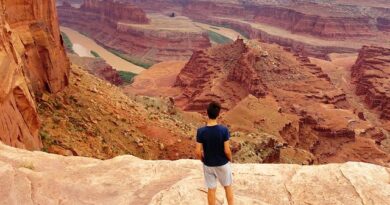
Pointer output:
101, 101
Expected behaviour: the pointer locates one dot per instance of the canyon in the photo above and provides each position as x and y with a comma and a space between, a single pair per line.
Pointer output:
326, 122
340, 27
140, 38
265, 88
309, 27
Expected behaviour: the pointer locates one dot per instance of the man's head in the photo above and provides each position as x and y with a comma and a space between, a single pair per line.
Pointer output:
213, 110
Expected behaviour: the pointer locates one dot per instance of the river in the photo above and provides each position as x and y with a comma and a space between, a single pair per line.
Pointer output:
83, 46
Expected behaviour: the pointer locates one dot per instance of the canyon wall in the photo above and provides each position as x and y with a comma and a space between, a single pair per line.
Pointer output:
319, 50
334, 20
137, 36
328, 26
115, 11
312, 28
371, 74
33, 61
312, 113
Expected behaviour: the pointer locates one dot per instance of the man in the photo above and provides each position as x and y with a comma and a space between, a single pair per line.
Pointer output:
213, 149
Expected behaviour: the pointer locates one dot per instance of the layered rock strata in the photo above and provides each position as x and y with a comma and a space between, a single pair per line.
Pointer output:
33, 61
301, 25
142, 39
316, 115
371, 74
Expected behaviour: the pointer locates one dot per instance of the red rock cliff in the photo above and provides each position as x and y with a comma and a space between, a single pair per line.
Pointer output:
115, 11
371, 74
32, 61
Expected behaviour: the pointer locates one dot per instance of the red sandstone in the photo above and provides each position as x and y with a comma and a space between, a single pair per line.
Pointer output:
33, 61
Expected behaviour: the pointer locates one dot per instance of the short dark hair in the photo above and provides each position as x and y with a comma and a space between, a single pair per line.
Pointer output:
213, 110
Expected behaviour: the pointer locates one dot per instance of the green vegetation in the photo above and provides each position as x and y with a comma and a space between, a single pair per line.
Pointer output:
131, 59
47, 140
68, 44
228, 26
218, 38
94, 53
126, 76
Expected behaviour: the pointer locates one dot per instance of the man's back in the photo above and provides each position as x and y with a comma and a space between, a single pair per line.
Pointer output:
212, 138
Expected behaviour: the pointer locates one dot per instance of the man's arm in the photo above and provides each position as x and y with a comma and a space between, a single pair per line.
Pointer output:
227, 150
199, 151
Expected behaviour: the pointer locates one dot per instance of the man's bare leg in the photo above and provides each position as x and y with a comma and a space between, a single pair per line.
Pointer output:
229, 195
211, 196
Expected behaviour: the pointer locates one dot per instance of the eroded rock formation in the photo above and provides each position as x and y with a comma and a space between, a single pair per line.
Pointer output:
33, 61
40, 178
289, 97
371, 74
142, 39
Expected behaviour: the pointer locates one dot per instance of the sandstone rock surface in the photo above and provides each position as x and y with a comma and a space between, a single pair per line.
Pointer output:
32, 61
40, 178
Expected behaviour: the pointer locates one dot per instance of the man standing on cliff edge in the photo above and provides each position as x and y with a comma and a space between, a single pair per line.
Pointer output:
213, 149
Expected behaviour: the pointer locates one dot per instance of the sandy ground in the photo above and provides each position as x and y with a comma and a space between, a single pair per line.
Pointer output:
157, 80
83, 45
160, 22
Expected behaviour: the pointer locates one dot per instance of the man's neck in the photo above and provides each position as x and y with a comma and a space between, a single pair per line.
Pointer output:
212, 123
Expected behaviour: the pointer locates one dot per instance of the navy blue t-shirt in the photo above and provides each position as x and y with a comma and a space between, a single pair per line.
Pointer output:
212, 138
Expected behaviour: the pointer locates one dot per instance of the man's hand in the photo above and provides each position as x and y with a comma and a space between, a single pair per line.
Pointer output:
199, 151
227, 150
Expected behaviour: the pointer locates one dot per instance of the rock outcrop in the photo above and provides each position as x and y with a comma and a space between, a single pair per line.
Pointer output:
371, 74
140, 38
40, 178
232, 64
265, 89
97, 67
32, 61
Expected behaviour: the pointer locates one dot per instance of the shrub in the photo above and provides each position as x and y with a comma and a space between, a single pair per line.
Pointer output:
126, 76
132, 60
67, 42
95, 54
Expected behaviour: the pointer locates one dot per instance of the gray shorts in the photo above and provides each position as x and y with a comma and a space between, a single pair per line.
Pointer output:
222, 173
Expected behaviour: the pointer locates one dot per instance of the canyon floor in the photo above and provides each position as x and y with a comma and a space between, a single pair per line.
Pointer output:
41, 178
